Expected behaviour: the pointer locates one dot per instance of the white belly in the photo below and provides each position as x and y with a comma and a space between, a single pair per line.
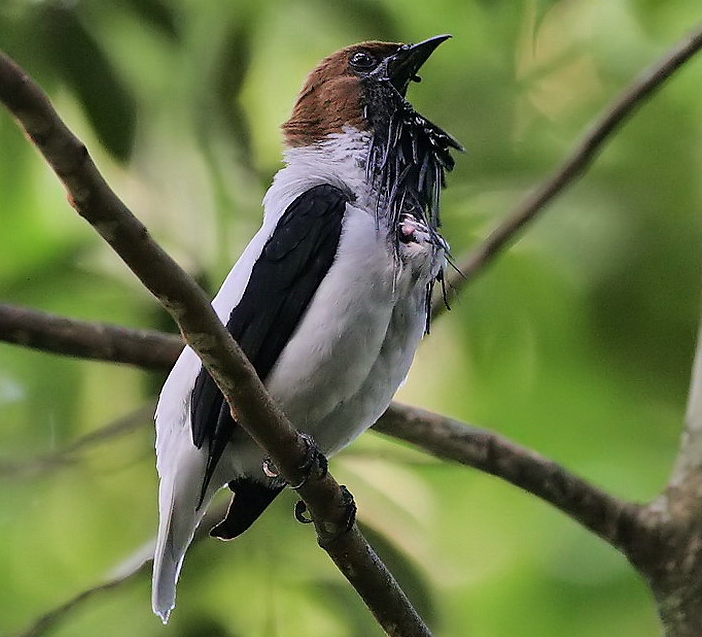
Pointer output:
355, 344
333, 350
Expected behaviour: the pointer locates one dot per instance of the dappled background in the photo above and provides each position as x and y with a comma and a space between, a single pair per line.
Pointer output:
578, 342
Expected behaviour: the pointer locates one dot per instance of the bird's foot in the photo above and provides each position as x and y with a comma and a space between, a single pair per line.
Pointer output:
315, 464
330, 532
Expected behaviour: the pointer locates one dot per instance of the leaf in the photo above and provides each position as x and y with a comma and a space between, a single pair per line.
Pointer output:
85, 67
158, 15
233, 65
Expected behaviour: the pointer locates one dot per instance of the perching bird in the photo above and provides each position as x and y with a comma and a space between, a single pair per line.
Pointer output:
328, 301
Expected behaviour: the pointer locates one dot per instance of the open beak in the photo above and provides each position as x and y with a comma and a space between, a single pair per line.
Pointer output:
403, 66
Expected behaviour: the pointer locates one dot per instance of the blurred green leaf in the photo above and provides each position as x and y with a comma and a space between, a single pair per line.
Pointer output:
159, 14
78, 56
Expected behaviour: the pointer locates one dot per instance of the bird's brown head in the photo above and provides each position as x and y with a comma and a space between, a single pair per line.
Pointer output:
355, 87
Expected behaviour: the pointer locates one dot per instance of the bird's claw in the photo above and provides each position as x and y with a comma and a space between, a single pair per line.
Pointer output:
315, 463
349, 508
340, 527
300, 510
269, 468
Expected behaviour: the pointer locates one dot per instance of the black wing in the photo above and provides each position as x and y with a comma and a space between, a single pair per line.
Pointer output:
283, 281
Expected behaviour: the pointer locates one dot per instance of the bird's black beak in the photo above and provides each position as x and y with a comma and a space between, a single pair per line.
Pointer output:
403, 66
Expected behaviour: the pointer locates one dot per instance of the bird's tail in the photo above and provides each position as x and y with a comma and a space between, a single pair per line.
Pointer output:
179, 516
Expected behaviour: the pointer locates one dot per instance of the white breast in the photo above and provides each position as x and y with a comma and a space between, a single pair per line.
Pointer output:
332, 353
357, 339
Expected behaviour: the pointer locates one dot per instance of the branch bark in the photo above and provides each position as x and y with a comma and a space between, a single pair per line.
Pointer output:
251, 406
148, 349
672, 561
610, 518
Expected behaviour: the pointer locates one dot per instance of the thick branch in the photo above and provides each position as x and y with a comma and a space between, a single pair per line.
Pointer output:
610, 518
251, 406
575, 164
685, 482
445, 438
85, 339
675, 569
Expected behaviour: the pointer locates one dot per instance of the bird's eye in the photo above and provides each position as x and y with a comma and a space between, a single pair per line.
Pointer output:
362, 61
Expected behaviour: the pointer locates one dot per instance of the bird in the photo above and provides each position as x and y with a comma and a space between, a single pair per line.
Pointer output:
328, 301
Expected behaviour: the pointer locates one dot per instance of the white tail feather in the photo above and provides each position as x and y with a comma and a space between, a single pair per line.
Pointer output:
181, 467
179, 493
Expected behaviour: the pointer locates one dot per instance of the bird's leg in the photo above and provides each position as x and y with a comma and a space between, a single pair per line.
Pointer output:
316, 466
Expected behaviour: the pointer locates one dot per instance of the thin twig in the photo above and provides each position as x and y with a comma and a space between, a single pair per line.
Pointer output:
574, 166
136, 564
50, 618
71, 453
251, 405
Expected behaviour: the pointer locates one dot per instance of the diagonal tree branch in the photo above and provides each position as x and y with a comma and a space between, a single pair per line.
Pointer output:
574, 166
47, 620
251, 406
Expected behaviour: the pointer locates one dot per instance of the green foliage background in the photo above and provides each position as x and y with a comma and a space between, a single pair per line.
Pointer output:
577, 343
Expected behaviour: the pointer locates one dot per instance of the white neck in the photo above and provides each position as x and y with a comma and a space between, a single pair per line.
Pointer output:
339, 160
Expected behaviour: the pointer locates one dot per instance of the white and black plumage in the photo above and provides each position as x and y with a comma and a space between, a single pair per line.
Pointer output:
328, 301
